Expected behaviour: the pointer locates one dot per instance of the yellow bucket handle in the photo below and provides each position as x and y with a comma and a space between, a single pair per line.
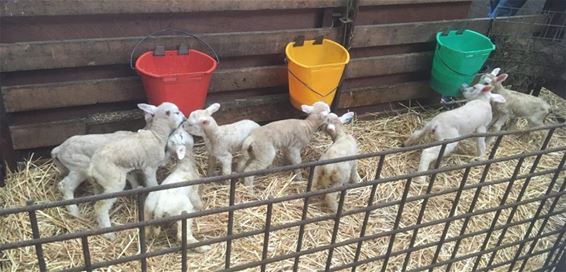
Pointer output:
308, 87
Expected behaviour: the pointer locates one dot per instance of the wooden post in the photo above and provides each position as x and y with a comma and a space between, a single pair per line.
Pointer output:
7, 153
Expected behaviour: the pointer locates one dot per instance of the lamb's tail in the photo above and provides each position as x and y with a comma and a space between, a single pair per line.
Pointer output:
58, 164
247, 146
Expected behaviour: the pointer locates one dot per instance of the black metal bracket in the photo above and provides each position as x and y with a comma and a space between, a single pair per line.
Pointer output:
183, 49
318, 40
2, 175
299, 41
159, 50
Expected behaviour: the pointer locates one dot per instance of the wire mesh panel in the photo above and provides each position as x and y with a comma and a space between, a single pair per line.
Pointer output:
505, 213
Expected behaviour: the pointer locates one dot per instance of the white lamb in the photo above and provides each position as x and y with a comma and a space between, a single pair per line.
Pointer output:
221, 141
474, 116
173, 202
532, 108
145, 150
73, 157
290, 136
337, 174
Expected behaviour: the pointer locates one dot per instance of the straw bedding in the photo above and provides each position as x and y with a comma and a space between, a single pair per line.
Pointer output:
38, 182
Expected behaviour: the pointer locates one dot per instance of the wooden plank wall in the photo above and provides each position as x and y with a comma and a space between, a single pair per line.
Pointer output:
64, 63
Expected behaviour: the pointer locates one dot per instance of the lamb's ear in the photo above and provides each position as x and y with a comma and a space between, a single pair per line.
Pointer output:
347, 117
148, 118
181, 152
496, 71
307, 109
213, 108
502, 77
497, 98
150, 109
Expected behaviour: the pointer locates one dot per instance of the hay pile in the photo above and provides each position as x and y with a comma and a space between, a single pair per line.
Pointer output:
38, 181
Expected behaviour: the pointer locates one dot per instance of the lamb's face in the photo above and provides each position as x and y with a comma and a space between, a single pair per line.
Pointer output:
170, 112
180, 142
194, 122
319, 110
201, 118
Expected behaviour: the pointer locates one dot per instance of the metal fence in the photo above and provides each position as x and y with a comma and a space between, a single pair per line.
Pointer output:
549, 206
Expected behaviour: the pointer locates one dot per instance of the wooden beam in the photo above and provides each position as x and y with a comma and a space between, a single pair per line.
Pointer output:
72, 93
90, 52
260, 109
45, 134
405, 2
78, 93
378, 95
420, 32
388, 65
14, 8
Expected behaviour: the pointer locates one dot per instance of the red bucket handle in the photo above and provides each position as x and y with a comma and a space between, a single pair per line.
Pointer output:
174, 31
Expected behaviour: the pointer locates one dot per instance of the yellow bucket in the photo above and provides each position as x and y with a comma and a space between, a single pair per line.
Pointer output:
315, 71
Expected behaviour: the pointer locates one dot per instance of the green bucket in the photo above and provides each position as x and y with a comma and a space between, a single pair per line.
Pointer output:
458, 57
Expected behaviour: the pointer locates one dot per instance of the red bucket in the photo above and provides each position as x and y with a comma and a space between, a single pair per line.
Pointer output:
182, 79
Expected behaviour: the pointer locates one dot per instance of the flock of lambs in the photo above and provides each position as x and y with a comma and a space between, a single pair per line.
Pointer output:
112, 159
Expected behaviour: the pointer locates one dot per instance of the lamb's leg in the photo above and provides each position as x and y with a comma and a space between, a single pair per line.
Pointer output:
262, 159
499, 122
294, 157
132, 178
67, 187
211, 165
481, 146
226, 162
148, 215
150, 174
430, 155
102, 207
195, 198
354, 176
190, 238
332, 198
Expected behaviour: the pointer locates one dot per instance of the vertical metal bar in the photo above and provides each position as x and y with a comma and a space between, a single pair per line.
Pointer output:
544, 222
35, 233
266, 235
335, 230
541, 206
452, 212
184, 243
368, 212
396, 224
474, 200
556, 246
498, 212
303, 218
423, 206
230, 223
86, 253
534, 166
140, 202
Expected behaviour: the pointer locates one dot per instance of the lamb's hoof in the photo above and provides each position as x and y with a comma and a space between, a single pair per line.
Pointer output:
420, 181
202, 249
74, 211
479, 158
110, 236
298, 177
